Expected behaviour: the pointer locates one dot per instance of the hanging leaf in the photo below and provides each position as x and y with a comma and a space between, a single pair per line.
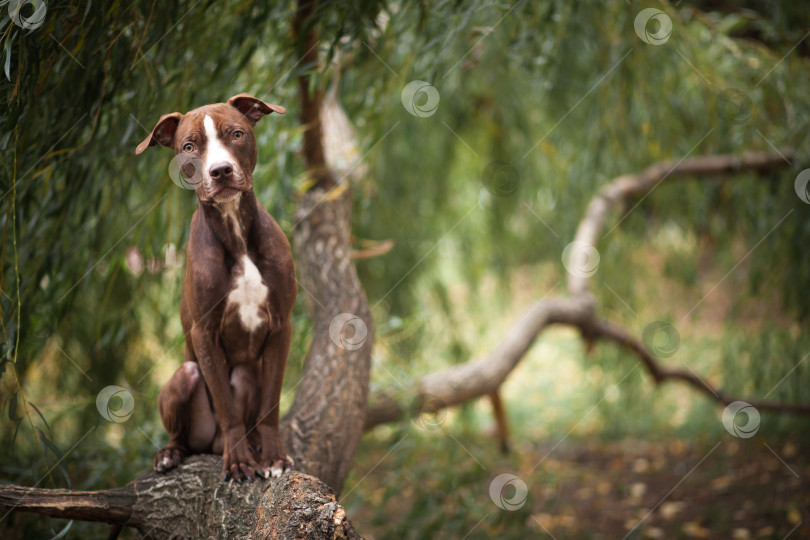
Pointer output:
49, 444
41, 416
64, 531
7, 64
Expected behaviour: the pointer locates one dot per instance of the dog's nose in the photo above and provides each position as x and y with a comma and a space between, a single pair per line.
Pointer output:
221, 171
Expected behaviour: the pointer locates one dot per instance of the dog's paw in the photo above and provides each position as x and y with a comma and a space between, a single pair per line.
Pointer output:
168, 458
277, 467
240, 467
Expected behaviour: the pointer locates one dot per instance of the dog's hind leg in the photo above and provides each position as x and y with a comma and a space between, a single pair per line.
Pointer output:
187, 416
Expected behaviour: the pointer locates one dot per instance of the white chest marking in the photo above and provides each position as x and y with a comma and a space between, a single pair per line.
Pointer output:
249, 294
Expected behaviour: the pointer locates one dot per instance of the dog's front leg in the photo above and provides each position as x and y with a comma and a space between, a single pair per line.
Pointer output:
274, 460
237, 462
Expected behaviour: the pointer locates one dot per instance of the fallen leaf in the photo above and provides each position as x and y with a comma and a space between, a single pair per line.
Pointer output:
721, 483
669, 509
765, 478
638, 489
693, 529
794, 517
641, 465
653, 532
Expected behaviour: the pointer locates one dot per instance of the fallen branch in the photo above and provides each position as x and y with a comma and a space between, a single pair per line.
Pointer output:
477, 378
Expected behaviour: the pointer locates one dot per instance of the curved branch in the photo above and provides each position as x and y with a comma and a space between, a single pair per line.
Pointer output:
624, 188
480, 377
463, 382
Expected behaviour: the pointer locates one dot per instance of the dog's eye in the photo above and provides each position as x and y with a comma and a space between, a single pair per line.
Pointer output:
188, 147
238, 134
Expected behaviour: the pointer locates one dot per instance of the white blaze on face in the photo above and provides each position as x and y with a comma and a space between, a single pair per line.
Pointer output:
249, 294
215, 151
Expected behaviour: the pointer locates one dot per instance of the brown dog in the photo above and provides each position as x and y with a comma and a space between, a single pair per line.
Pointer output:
237, 298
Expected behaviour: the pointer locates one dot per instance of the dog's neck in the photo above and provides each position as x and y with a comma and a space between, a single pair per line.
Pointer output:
231, 222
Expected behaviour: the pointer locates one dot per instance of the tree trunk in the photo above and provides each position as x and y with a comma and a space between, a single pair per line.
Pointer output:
326, 419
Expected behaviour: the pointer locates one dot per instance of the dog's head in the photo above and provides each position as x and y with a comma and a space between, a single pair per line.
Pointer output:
214, 145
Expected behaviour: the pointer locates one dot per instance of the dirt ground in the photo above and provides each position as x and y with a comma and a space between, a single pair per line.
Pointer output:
733, 489
727, 489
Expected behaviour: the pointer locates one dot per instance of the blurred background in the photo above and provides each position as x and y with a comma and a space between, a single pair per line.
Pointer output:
473, 194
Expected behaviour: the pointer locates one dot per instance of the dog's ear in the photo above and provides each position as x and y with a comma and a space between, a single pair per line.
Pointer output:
163, 134
253, 108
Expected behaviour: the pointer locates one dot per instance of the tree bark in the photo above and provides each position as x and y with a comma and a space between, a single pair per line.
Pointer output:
326, 419
192, 501
325, 422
